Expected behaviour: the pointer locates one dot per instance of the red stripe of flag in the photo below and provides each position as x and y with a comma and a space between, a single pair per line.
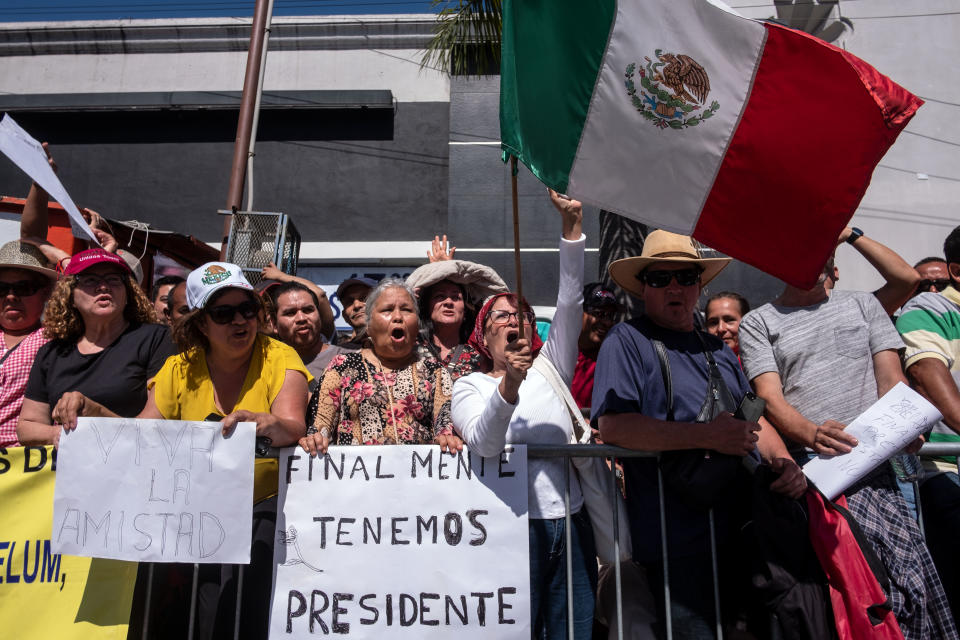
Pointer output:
817, 123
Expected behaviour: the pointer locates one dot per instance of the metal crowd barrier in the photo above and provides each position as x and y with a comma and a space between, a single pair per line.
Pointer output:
569, 452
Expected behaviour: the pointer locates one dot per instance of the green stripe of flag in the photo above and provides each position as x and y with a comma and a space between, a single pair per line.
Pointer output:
551, 56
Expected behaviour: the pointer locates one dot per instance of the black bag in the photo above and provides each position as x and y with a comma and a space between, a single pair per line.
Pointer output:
700, 478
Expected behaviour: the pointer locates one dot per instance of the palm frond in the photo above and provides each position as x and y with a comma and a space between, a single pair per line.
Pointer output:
466, 39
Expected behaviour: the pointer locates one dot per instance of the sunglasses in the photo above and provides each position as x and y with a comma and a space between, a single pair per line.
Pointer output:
939, 285
225, 313
660, 279
502, 316
601, 313
20, 288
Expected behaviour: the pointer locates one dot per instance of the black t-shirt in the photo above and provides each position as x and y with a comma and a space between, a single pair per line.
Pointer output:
115, 377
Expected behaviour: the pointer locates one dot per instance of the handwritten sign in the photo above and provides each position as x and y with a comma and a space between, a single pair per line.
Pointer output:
28, 154
154, 491
402, 542
883, 430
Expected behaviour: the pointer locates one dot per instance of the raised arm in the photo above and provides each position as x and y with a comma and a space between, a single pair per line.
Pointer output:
561, 346
900, 278
33, 220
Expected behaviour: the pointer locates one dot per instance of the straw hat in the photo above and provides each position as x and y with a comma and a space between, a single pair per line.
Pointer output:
663, 246
22, 255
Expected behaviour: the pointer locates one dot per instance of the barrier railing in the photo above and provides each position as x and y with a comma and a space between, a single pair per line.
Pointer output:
567, 451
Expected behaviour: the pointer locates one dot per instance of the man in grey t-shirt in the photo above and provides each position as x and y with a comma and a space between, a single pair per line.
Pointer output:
819, 360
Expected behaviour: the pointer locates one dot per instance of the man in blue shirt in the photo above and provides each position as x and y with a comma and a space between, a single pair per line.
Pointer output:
630, 405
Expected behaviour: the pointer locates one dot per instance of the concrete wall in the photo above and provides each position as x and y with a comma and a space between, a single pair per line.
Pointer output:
912, 202
342, 174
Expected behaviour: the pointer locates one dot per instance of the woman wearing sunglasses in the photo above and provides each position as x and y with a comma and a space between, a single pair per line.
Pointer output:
507, 401
230, 372
105, 346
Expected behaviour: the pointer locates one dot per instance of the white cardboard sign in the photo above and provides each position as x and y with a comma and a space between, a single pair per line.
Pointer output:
890, 424
28, 154
154, 491
402, 542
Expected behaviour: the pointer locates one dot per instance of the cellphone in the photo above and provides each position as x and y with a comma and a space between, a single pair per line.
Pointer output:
751, 408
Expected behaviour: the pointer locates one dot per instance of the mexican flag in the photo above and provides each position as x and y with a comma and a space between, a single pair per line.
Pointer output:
756, 139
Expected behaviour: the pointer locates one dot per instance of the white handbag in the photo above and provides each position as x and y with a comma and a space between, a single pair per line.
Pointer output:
600, 494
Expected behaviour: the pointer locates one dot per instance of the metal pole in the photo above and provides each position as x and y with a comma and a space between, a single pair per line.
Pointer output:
716, 574
146, 606
193, 601
256, 107
236, 620
516, 241
666, 564
245, 120
616, 548
569, 545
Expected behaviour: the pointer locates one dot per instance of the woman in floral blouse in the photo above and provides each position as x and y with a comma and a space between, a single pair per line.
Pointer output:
384, 393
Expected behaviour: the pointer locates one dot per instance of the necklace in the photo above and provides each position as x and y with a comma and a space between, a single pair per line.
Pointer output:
380, 369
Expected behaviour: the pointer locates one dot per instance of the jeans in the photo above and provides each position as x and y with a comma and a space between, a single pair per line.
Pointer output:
548, 577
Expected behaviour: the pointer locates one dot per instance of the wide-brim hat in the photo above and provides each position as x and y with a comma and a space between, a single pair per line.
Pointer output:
478, 280
207, 279
664, 246
23, 255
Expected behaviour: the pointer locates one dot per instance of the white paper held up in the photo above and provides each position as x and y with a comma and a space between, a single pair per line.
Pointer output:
155, 491
891, 423
28, 154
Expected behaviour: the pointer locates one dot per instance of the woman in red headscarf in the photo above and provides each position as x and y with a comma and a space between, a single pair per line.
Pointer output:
507, 401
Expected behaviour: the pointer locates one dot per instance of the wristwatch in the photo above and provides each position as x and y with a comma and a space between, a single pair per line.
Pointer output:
855, 234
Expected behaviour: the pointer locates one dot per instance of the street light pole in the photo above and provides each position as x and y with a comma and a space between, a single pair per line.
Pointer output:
251, 81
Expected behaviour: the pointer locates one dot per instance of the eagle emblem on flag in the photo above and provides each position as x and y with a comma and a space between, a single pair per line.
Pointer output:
673, 90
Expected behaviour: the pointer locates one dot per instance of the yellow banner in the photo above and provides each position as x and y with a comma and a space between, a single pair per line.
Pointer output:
44, 595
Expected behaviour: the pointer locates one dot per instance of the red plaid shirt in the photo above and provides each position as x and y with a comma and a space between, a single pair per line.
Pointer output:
13, 381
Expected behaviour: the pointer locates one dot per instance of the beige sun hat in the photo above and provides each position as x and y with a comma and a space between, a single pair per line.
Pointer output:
663, 246
17, 254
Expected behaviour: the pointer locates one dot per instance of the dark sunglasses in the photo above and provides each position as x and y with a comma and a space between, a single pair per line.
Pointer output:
225, 313
660, 279
20, 288
939, 285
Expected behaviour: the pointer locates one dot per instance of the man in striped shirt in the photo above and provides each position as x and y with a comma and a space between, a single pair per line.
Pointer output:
930, 326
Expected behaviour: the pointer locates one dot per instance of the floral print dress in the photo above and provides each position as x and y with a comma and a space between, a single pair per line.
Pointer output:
360, 404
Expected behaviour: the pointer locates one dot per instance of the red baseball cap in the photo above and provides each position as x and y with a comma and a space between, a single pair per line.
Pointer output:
82, 261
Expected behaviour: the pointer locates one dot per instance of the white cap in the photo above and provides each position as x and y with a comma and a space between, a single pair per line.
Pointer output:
205, 280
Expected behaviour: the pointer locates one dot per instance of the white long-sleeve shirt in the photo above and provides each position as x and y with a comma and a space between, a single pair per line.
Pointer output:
487, 422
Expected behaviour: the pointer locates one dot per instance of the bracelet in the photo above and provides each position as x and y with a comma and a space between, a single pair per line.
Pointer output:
325, 433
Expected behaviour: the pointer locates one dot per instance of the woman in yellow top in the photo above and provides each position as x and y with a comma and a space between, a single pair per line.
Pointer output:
227, 371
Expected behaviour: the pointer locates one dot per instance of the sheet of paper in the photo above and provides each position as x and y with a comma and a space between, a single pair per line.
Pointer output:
155, 491
883, 430
28, 154
402, 542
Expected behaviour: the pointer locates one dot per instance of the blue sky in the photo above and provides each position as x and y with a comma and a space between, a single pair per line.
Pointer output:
46, 10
